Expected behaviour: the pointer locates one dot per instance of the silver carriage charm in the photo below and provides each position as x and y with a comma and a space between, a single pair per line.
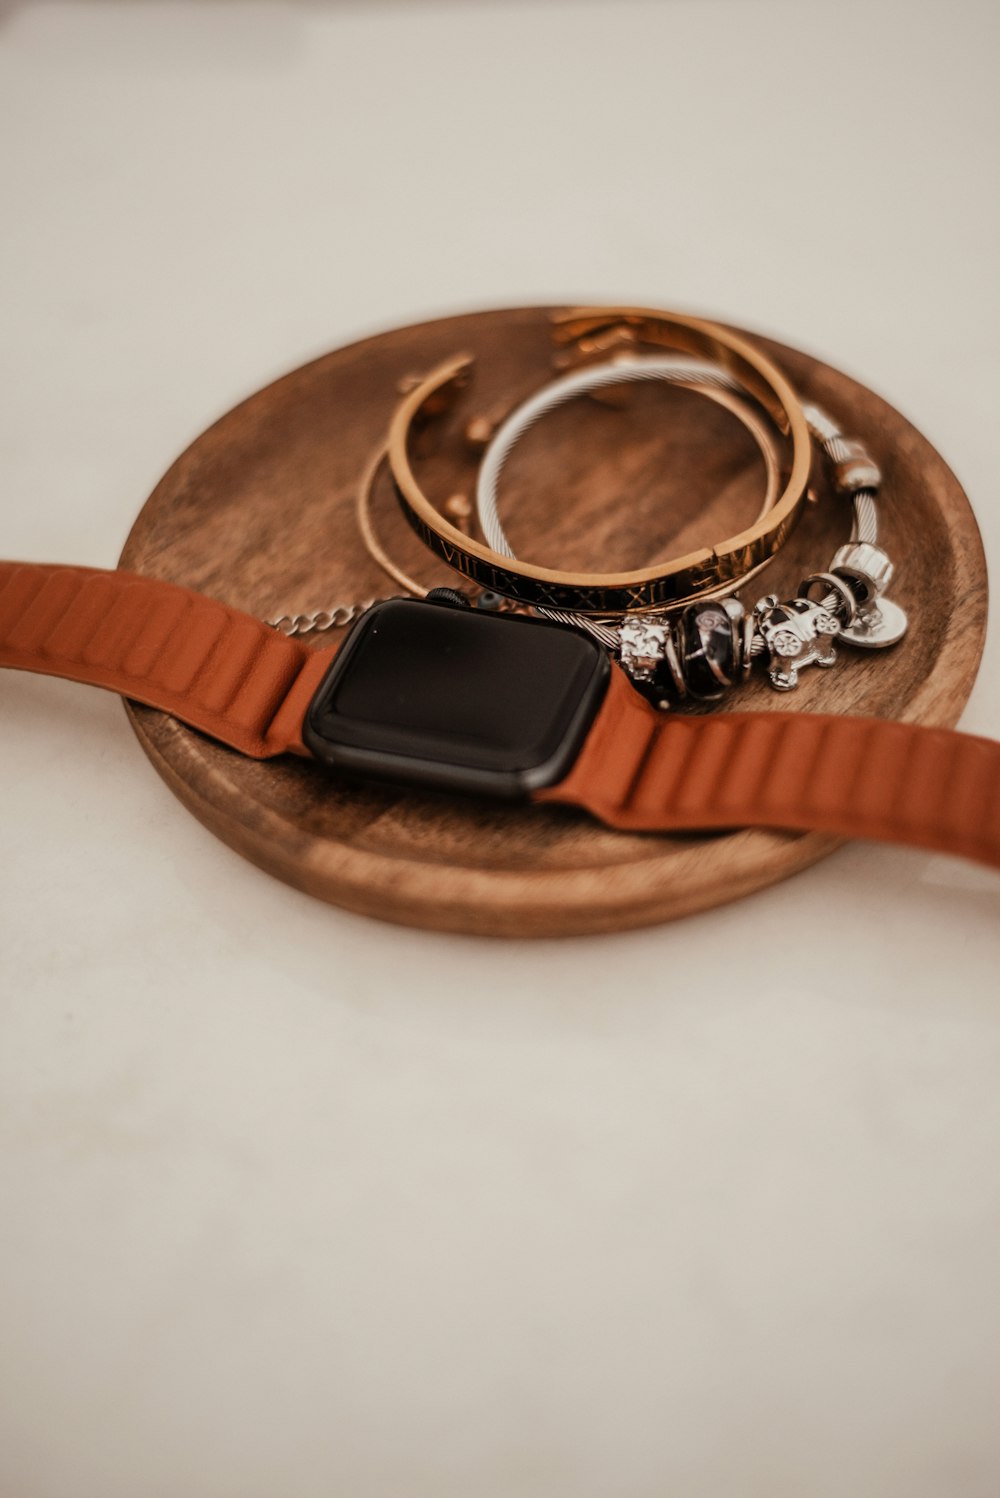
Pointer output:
797, 633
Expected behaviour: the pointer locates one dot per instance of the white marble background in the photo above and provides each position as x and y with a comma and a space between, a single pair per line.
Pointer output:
297, 1204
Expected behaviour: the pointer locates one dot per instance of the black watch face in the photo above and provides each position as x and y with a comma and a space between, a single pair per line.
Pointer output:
436, 695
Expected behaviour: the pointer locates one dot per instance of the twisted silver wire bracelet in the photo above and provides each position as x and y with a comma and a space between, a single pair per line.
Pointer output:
674, 370
715, 642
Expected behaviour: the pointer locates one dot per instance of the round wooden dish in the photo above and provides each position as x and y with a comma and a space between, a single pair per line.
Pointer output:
260, 512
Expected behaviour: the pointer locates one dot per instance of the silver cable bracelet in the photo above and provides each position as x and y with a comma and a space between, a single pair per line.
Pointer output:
713, 643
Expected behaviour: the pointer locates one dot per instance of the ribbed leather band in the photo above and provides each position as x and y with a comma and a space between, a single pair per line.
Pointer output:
212, 666
852, 777
233, 677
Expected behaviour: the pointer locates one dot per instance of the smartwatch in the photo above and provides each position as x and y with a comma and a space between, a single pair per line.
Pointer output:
431, 693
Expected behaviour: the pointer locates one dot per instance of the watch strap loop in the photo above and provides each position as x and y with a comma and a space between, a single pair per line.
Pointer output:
932, 788
214, 667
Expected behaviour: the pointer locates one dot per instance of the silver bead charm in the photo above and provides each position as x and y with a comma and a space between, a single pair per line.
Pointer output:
868, 571
711, 635
797, 633
866, 567
855, 469
698, 655
642, 646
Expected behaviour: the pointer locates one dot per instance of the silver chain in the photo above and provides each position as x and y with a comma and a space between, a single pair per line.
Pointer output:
320, 620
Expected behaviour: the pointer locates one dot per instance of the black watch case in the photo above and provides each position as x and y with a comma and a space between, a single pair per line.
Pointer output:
432, 694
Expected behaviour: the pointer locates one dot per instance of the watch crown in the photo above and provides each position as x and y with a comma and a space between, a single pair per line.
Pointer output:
450, 596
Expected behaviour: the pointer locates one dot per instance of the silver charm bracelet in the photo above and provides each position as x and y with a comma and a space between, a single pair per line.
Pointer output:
713, 643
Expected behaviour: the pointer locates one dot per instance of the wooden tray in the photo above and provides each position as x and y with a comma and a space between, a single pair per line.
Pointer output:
260, 512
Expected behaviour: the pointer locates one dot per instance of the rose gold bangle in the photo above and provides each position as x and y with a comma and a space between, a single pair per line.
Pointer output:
729, 400
584, 333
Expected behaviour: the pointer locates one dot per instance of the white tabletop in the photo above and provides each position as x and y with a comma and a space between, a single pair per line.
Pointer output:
295, 1203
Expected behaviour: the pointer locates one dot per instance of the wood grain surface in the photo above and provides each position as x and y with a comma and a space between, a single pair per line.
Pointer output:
259, 512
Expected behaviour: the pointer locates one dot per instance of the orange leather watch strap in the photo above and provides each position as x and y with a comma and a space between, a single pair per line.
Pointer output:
235, 678
210, 665
852, 777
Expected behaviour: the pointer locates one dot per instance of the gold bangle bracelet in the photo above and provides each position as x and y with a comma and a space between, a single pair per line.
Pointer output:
373, 546
738, 406
697, 574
